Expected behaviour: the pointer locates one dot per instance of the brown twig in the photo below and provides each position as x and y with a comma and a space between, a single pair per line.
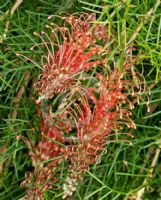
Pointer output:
11, 12
16, 102
143, 21
13, 9
2, 151
140, 193
17, 99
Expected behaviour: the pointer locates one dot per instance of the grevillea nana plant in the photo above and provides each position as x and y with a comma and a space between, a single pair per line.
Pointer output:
83, 98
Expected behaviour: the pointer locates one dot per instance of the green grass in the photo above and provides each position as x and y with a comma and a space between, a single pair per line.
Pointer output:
121, 173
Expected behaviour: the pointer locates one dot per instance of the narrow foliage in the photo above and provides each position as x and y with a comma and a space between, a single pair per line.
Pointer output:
97, 96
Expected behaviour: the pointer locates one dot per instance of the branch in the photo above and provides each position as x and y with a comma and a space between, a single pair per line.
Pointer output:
20, 93
140, 193
11, 12
143, 21
16, 102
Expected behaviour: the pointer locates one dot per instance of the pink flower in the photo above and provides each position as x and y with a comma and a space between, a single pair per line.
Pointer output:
87, 113
76, 47
46, 155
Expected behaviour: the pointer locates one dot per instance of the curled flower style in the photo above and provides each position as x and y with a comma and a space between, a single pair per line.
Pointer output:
92, 96
95, 123
46, 156
71, 49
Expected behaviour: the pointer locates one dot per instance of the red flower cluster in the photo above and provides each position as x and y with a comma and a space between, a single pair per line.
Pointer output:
94, 121
77, 50
94, 101
45, 157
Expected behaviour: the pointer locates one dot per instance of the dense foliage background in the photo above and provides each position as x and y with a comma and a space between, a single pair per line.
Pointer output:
126, 170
